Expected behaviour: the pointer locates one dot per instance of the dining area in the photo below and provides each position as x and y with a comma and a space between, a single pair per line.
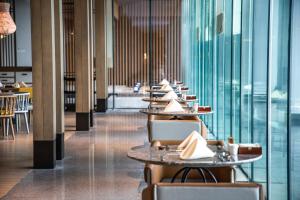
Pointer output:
182, 158
149, 99
16, 109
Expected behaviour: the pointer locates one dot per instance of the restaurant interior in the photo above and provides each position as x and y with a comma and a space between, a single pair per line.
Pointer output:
150, 99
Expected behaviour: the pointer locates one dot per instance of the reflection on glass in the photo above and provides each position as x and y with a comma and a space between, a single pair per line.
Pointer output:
229, 62
260, 74
295, 104
278, 75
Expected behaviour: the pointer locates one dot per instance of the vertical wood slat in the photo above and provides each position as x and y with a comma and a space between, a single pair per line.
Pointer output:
179, 74
134, 55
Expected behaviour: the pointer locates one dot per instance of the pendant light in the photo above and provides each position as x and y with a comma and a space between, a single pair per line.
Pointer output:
7, 25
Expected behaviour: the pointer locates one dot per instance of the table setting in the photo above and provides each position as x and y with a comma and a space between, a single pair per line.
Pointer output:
174, 108
196, 153
170, 96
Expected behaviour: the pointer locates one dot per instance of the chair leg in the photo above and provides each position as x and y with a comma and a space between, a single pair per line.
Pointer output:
29, 116
3, 126
26, 123
7, 126
12, 127
20, 122
17, 123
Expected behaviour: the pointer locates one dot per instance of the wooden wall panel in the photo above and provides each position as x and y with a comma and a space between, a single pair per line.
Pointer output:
131, 53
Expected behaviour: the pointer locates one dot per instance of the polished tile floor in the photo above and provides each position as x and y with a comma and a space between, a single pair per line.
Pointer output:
95, 166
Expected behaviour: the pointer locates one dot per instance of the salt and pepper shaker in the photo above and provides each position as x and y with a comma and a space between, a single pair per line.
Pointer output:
195, 107
179, 88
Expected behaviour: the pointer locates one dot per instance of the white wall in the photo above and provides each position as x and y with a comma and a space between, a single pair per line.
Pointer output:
23, 22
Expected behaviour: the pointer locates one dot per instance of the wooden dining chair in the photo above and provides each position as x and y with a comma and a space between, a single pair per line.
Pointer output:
30, 106
7, 112
22, 103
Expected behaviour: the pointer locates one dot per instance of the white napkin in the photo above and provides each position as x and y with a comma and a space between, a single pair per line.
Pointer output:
166, 88
195, 150
192, 136
170, 95
173, 106
23, 85
164, 82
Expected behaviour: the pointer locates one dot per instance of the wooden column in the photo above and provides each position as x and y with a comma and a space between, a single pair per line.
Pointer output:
59, 64
100, 47
82, 63
43, 65
92, 61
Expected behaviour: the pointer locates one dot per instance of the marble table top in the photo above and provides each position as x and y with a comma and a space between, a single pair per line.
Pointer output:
159, 99
160, 111
153, 155
165, 91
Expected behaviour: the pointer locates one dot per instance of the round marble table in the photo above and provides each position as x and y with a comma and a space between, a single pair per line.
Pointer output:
188, 112
153, 155
160, 100
169, 155
164, 91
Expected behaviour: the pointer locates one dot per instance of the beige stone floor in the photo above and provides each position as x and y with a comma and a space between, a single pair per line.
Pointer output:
95, 164
16, 155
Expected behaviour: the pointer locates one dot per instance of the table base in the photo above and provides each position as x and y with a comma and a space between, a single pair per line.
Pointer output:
202, 171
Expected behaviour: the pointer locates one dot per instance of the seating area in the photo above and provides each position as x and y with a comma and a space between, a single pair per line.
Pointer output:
149, 99
13, 106
180, 161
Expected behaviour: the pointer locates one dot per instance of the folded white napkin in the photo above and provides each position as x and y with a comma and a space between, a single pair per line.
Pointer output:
192, 136
173, 106
170, 95
166, 88
195, 150
164, 82
23, 85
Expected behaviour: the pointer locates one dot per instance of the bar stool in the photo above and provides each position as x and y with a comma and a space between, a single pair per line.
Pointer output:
22, 103
7, 112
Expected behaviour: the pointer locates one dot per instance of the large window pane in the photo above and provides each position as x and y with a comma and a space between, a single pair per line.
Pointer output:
278, 79
260, 78
295, 104
236, 69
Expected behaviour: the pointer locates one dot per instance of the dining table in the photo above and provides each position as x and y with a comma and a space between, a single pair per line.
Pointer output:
9, 89
169, 155
161, 100
166, 91
187, 112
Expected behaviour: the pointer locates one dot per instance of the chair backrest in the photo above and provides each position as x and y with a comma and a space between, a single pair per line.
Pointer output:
203, 191
7, 105
163, 128
22, 102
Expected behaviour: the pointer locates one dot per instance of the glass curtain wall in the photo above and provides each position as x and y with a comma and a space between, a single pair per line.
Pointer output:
235, 56
294, 139
278, 99
196, 50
